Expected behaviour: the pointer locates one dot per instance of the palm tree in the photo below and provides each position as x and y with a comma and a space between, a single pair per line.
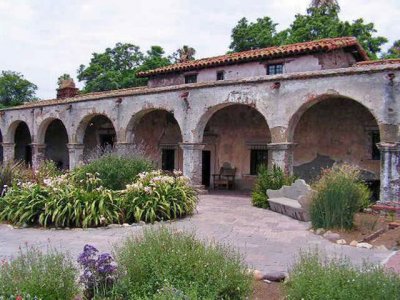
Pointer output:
186, 53
324, 3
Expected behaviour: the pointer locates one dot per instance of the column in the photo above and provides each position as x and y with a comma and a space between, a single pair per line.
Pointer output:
75, 155
8, 152
192, 162
390, 175
281, 155
38, 155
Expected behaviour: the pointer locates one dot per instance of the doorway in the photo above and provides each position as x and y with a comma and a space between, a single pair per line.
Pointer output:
206, 168
168, 159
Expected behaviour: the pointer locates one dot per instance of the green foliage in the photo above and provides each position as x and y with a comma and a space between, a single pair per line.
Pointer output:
314, 279
393, 52
9, 173
339, 195
114, 171
116, 68
272, 179
61, 203
183, 54
15, 89
47, 276
62, 78
163, 263
155, 197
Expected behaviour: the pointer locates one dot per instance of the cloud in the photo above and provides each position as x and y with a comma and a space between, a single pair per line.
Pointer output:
44, 39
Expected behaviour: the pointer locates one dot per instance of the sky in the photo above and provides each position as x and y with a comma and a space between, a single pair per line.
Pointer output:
43, 39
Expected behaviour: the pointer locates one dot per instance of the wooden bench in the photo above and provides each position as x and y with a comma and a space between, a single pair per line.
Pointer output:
292, 201
225, 178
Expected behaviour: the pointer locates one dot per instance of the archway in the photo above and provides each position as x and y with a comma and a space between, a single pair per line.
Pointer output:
98, 135
156, 135
336, 130
235, 135
56, 140
22, 140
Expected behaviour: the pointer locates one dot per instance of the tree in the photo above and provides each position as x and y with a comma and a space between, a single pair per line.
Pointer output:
394, 51
324, 3
183, 54
62, 78
247, 36
117, 67
15, 89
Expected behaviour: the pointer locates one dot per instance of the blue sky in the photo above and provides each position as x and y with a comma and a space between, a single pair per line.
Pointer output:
44, 39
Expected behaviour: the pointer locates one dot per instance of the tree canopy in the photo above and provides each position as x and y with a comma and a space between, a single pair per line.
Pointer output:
117, 67
394, 51
183, 54
15, 89
320, 21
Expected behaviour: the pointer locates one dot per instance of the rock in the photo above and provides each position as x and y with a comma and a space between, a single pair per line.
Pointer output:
341, 242
10, 226
113, 226
382, 247
258, 275
312, 230
354, 243
320, 231
275, 276
331, 236
67, 228
364, 245
126, 225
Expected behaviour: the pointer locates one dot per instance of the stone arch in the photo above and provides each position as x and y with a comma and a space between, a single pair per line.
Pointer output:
331, 130
53, 133
19, 134
96, 132
235, 134
156, 134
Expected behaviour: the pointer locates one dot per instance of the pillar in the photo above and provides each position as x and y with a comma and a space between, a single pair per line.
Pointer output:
38, 155
390, 175
192, 162
281, 155
8, 152
75, 155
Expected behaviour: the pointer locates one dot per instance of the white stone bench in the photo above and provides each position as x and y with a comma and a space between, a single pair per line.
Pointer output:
293, 200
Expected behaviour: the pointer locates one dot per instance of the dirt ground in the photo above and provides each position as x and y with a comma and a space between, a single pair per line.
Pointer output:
268, 291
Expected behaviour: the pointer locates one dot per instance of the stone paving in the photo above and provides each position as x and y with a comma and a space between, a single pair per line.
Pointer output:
269, 241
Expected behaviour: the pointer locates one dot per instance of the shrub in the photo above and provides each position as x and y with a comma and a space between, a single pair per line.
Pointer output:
339, 195
272, 179
312, 278
162, 263
60, 202
156, 196
9, 172
46, 276
114, 171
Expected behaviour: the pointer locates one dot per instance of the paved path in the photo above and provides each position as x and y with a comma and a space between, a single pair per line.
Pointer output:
268, 240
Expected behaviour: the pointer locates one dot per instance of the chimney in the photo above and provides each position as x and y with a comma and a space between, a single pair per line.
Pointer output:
67, 89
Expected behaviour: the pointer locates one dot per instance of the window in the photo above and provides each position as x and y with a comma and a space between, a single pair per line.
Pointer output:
375, 139
257, 157
220, 75
168, 159
192, 78
274, 69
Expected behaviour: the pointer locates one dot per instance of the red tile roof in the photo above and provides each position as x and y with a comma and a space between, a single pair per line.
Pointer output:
378, 62
324, 45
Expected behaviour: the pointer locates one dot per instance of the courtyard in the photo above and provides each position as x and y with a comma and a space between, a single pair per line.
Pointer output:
269, 241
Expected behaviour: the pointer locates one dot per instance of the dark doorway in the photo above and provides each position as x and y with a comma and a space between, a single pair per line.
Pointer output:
107, 140
206, 168
168, 159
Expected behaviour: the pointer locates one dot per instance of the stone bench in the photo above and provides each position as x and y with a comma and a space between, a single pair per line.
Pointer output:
292, 201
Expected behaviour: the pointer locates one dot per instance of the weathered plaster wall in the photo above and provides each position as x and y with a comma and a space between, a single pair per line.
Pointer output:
334, 130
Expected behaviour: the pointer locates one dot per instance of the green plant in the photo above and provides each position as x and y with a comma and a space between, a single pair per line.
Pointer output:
272, 179
9, 172
162, 263
339, 195
114, 171
155, 196
46, 276
311, 278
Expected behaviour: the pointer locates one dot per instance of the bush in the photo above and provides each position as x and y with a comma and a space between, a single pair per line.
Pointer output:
9, 172
162, 263
46, 276
61, 203
312, 278
272, 179
114, 171
156, 196
339, 195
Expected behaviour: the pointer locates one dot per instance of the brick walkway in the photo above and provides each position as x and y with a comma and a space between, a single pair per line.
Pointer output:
269, 241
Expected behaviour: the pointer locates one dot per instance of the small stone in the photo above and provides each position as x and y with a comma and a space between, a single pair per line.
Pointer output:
258, 275
114, 226
267, 281
142, 223
275, 276
312, 230
382, 247
364, 245
331, 236
10, 226
354, 243
126, 225
341, 242
320, 231
67, 228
